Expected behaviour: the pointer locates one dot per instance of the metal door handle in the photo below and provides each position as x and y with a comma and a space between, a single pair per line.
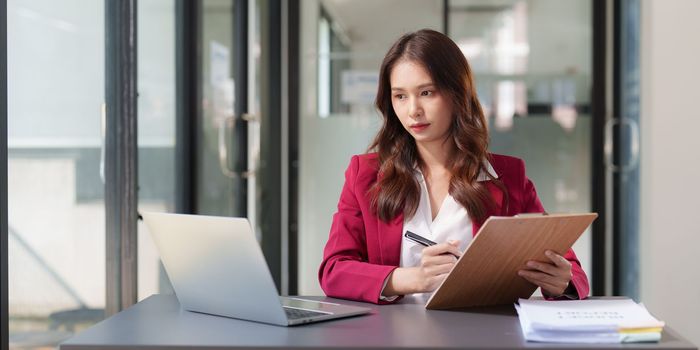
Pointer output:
634, 144
633, 160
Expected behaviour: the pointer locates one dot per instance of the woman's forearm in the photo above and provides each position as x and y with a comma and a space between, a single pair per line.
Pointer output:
402, 281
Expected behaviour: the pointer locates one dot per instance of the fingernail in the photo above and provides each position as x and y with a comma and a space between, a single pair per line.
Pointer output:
548, 253
531, 264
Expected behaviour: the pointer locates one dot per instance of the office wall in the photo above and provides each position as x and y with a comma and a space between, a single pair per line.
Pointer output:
670, 122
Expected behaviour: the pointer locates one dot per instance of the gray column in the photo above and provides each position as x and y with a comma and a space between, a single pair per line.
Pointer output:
120, 154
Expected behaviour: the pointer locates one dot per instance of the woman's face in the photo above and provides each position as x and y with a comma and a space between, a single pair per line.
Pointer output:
423, 110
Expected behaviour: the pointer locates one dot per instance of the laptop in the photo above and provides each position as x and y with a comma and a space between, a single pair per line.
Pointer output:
217, 267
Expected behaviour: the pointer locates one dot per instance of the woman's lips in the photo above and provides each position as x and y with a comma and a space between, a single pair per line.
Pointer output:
419, 127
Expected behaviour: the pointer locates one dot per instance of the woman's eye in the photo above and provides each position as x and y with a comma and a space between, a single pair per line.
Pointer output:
400, 96
426, 93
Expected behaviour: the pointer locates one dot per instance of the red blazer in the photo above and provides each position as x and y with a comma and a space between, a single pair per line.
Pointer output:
362, 250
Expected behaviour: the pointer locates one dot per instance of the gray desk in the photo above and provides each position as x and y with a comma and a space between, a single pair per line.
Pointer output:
159, 323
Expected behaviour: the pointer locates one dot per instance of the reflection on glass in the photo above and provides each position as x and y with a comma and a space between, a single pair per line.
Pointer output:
55, 193
156, 134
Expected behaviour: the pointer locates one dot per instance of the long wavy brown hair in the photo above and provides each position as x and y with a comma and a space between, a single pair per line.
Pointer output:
397, 189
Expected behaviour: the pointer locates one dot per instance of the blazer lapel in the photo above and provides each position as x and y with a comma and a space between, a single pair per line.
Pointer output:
389, 236
497, 196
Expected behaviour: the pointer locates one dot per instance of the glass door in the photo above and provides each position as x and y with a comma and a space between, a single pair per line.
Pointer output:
220, 180
228, 128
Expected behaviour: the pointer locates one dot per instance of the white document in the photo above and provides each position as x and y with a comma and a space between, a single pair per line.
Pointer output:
587, 321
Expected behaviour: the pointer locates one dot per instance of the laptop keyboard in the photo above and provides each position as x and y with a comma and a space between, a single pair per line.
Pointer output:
295, 314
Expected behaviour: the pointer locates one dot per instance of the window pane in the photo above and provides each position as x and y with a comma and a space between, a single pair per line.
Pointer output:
156, 134
55, 190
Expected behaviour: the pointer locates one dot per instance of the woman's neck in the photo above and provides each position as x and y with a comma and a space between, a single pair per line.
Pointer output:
435, 155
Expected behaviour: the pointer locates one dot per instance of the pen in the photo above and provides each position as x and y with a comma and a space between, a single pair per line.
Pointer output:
421, 240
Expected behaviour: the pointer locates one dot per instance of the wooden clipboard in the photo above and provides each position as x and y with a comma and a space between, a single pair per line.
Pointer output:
487, 271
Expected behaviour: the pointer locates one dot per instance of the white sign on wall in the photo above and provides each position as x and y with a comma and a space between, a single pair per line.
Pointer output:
359, 87
223, 87
219, 62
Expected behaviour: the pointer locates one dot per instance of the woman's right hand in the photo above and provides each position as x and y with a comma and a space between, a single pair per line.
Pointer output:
435, 264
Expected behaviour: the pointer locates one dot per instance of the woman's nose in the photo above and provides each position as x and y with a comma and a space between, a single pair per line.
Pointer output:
415, 110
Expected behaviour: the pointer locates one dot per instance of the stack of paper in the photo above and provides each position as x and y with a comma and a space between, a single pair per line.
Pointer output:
587, 321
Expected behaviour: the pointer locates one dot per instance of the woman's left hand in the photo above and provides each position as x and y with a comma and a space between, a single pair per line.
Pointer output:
553, 277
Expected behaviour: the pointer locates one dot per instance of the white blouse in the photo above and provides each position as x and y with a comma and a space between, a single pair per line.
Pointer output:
452, 222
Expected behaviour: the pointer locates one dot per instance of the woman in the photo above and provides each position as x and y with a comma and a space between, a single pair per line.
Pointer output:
431, 174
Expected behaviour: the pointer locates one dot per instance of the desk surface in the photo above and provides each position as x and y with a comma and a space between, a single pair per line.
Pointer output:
159, 323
